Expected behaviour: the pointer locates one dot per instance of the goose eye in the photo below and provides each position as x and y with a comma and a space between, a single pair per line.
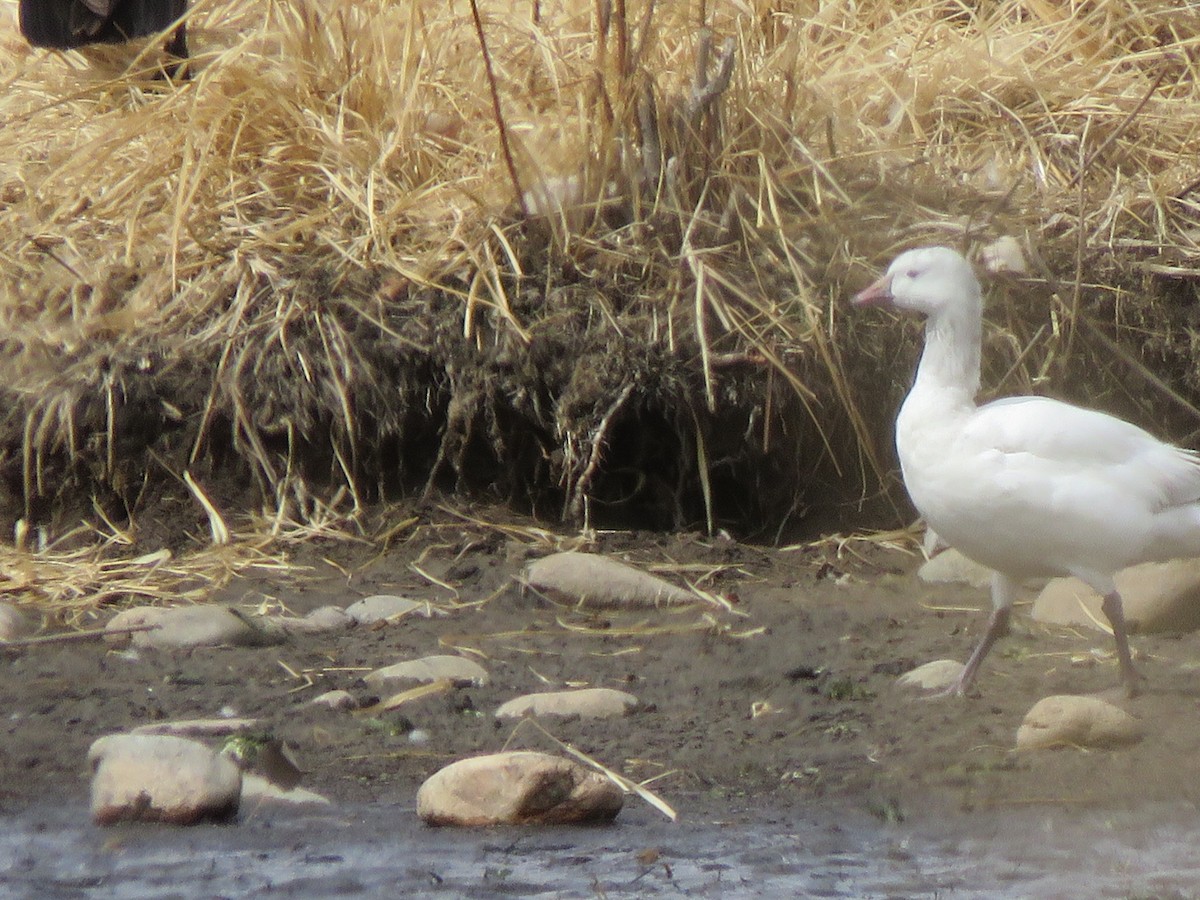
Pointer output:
912, 273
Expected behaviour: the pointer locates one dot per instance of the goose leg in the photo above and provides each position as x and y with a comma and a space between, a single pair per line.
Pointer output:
1003, 593
997, 626
1115, 611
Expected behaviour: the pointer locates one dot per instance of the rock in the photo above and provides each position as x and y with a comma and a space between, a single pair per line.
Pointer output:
586, 579
933, 676
587, 703
329, 618
1004, 255
951, 567
457, 669
161, 778
932, 544
257, 790
517, 788
335, 700
1069, 721
188, 626
1158, 597
554, 196
321, 619
14, 624
198, 727
381, 607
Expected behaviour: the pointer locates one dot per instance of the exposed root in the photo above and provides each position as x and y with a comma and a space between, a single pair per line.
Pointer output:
598, 439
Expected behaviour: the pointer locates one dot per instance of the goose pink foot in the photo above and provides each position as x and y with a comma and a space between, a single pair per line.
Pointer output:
997, 627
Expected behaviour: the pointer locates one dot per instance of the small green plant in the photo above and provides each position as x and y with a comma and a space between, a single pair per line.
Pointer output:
845, 688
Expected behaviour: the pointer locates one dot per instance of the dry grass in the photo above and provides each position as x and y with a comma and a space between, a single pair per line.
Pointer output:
66, 586
335, 266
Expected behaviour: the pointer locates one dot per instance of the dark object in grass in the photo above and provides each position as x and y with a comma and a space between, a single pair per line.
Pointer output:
66, 24
803, 672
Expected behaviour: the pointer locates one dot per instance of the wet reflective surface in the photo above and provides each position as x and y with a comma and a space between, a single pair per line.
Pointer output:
55, 853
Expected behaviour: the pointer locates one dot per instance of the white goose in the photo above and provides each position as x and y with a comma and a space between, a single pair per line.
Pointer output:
1027, 485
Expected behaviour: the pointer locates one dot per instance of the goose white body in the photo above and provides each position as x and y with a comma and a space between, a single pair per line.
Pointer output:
1027, 486
1035, 487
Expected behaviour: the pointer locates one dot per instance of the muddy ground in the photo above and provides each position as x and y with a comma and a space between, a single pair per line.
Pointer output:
816, 640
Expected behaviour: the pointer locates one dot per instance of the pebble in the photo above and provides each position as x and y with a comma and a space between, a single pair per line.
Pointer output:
587, 579
14, 624
1065, 720
932, 676
457, 669
1158, 598
337, 699
321, 619
587, 703
161, 778
383, 607
517, 788
188, 626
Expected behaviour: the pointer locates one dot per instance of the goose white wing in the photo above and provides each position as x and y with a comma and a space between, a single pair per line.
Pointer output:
1037, 434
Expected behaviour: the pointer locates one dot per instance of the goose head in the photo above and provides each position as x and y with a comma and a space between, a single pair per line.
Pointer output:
928, 280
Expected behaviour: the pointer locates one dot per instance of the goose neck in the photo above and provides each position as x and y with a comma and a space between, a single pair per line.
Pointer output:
950, 361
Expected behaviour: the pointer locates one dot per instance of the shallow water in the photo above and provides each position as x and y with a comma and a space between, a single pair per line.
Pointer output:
55, 853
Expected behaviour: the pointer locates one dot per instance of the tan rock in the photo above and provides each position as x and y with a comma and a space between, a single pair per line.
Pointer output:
587, 703
555, 196
587, 579
257, 790
161, 778
932, 676
383, 607
1004, 255
457, 669
951, 567
1158, 597
518, 788
14, 624
1069, 721
187, 626
321, 619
